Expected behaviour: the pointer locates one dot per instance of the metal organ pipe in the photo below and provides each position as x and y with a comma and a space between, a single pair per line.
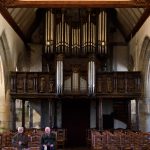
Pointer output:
91, 75
102, 32
59, 74
49, 31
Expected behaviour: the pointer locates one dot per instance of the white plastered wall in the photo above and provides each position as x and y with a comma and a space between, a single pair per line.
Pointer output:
14, 49
142, 64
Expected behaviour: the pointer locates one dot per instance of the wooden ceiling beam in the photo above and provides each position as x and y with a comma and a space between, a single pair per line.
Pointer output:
74, 3
13, 24
139, 24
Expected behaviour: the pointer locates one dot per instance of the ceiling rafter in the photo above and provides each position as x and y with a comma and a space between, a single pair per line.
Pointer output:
75, 3
143, 18
12, 23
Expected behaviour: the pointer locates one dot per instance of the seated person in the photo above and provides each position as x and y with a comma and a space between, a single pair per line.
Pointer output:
48, 140
20, 140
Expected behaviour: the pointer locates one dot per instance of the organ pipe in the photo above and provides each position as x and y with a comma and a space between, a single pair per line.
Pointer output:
91, 75
102, 32
89, 36
75, 41
49, 31
62, 35
59, 74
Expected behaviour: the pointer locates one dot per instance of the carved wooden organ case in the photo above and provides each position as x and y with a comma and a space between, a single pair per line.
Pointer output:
76, 58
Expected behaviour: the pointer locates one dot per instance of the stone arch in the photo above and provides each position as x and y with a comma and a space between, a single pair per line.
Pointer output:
4, 83
144, 67
144, 63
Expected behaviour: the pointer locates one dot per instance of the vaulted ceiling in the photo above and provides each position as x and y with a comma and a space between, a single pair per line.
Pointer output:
25, 19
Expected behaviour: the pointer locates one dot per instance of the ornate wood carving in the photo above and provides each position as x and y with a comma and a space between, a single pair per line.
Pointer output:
73, 3
6, 3
109, 84
140, 2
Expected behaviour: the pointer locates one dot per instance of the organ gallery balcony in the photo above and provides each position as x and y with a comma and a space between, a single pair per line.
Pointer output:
43, 84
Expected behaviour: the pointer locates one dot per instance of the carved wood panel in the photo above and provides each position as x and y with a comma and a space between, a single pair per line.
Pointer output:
32, 83
107, 83
121, 84
21, 83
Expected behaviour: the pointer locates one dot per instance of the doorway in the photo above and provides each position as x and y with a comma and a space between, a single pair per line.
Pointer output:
76, 119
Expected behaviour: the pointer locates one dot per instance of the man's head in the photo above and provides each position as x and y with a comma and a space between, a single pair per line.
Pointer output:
47, 130
20, 129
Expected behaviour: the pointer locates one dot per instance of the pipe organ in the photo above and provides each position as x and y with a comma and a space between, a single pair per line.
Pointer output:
87, 34
81, 32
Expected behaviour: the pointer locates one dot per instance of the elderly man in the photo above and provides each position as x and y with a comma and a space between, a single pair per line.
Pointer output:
20, 140
48, 140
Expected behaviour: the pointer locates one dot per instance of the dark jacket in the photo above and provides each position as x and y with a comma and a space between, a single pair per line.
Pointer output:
20, 137
48, 139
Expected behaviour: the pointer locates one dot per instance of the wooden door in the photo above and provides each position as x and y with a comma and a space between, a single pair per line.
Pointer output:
76, 119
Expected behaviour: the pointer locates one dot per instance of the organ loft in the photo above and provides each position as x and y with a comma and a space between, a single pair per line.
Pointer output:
74, 68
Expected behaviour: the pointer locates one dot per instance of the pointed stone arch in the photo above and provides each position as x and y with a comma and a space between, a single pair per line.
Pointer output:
144, 67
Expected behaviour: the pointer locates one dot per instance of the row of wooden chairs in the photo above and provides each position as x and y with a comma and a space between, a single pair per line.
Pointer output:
34, 136
119, 140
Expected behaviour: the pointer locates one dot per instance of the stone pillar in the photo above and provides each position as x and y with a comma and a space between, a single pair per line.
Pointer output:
144, 112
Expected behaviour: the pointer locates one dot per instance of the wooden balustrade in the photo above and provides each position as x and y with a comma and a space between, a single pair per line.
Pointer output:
108, 84
118, 84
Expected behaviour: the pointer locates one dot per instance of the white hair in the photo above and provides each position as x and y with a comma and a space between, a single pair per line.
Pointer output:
47, 129
20, 129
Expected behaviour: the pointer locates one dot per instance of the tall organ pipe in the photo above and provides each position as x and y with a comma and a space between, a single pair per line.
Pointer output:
49, 31
91, 75
102, 32
59, 74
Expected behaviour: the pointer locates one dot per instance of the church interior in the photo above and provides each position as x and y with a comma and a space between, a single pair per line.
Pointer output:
81, 68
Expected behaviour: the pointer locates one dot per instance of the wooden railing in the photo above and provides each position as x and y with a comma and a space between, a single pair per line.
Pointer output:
108, 84
32, 83
119, 84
